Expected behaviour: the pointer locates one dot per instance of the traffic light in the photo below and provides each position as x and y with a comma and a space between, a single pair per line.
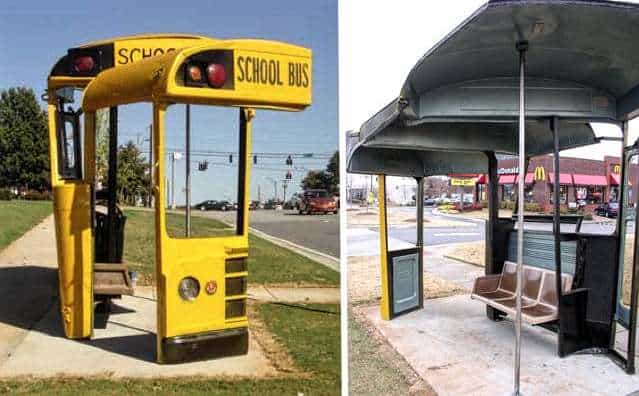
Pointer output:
202, 166
255, 160
230, 158
289, 161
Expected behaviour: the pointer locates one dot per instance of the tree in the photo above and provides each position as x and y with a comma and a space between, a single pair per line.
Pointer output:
327, 179
24, 142
102, 145
333, 170
133, 176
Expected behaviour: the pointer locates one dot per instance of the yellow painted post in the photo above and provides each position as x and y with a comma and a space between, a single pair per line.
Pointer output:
383, 244
159, 189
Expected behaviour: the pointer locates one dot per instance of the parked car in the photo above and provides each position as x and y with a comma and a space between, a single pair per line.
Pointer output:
254, 205
216, 205
608, 209
270, 204
293, 203
429, 202
317, 201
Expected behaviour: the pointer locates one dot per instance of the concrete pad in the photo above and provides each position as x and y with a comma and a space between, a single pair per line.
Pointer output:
28, 284
458, 351
318, 295
124, 346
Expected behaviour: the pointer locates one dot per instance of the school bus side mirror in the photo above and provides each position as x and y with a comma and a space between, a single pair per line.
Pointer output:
69, 149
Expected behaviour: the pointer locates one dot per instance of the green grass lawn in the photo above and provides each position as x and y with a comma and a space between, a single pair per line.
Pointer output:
18, 217
268, 263
311, 337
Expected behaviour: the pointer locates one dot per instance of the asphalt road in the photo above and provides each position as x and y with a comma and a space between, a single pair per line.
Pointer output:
318, 232
441, 235
365, 241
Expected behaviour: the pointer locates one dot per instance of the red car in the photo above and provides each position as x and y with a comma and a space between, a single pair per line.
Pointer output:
317, 201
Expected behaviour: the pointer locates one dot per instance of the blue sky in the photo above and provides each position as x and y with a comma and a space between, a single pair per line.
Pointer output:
34, 34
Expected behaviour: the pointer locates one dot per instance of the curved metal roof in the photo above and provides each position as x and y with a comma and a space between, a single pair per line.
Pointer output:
462, 95
589, 43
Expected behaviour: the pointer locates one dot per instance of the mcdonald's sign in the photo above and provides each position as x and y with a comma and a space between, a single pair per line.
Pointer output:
616, 168
540, 174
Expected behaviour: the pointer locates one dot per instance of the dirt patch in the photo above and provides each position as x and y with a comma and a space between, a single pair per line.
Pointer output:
375, 367
470, 252
275, 352
364, 282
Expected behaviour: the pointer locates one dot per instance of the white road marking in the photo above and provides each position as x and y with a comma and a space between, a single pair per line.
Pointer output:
457, 234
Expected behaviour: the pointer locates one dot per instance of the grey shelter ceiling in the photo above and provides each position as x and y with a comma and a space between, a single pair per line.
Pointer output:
462, 96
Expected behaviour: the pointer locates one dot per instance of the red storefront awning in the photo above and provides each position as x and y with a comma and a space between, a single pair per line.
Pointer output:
513, 178
589, 180
530, 177
564, 178
614, 179
507, 179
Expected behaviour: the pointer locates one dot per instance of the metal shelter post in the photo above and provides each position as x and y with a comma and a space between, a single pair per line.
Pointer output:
112, 184
491, 224
621, 224
634, 288
522, 47
419, 198
556, 227
188, 170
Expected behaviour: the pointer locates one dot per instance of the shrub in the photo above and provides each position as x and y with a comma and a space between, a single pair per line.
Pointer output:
508, 205
33, 195
532, 207
5, 194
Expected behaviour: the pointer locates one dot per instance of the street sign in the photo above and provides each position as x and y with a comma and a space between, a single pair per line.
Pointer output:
462, 182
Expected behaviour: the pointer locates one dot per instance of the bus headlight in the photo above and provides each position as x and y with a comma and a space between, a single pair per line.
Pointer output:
189, 288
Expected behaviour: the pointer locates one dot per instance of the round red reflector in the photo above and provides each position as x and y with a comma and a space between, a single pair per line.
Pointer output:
216, 75
83, 64
195, 73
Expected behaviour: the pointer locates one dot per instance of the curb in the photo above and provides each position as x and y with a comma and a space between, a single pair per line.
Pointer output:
322, 258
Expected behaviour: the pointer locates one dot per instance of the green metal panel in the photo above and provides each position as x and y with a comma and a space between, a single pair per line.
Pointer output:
405, 283
539, 251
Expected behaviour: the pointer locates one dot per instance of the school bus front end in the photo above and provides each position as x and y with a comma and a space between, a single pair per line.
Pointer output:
202, 288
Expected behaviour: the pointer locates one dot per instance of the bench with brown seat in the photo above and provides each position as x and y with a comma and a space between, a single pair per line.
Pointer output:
539, 293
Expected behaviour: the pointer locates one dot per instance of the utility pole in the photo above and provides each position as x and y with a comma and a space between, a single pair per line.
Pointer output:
150, 200
274, 187
188, 171
174, 156
284, 183
173, 180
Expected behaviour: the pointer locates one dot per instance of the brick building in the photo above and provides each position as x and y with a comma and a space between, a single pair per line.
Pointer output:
590, 181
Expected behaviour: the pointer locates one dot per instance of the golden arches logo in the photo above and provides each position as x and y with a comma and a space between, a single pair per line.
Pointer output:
540, 173
616, 168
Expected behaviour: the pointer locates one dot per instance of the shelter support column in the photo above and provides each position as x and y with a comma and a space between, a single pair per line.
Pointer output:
522, 48
491, 266
634, 288
419, 198
556, 228
383, 245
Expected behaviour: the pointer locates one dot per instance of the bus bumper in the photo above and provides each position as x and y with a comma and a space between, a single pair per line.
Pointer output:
204, 346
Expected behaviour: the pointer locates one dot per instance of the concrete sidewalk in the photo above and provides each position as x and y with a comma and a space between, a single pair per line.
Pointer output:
458, 351
32, 341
